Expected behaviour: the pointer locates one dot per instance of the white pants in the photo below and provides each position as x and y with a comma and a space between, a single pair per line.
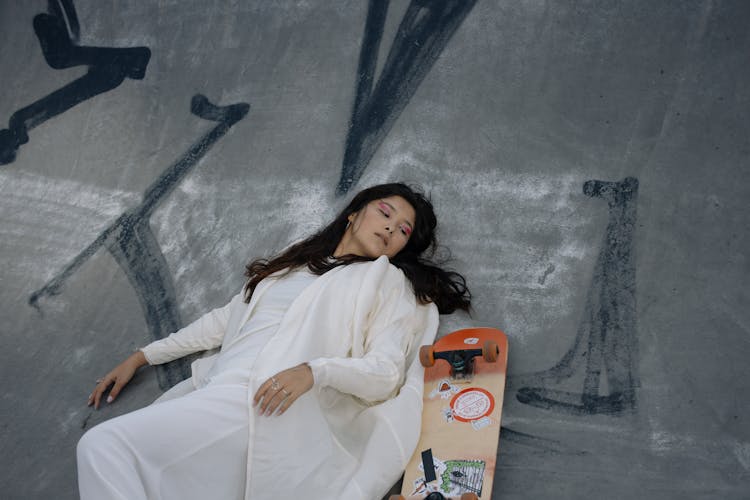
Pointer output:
191, 447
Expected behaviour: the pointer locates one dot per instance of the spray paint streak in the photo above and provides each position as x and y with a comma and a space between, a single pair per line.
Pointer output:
607, 336
107, 68
541, 444
425, 30
132, 243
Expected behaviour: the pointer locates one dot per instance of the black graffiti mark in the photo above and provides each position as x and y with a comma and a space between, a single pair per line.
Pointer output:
543, 445
64, 9
107, 68
85, 421
425, 30
135, 247
606, 338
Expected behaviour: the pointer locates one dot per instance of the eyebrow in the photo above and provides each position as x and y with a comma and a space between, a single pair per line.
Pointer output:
396, 210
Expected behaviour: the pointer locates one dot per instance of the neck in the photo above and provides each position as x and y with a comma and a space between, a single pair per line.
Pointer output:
343, 246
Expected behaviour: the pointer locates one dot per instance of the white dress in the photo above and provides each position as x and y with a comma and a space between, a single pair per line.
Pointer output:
151, 453
357, 326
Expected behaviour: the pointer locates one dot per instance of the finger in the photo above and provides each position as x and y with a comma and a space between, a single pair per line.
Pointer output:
263, 393
97, 395
267, 403
269, 387
100, 390
119, 384
268, 407
260, 393
286, 404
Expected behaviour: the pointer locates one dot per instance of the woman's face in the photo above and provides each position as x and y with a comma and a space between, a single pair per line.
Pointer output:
382, 227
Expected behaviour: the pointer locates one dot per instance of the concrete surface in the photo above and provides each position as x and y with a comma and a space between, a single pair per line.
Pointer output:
588, 160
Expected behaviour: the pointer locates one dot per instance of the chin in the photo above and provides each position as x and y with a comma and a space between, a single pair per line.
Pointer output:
374, 253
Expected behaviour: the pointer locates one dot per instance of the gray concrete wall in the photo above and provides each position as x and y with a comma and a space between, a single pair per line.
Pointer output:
588, 160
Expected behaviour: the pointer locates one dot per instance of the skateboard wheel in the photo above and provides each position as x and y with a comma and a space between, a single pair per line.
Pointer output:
427, 356
396, 497
490, 351
472, 496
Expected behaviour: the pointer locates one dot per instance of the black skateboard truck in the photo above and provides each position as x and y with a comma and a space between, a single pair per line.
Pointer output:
460, 360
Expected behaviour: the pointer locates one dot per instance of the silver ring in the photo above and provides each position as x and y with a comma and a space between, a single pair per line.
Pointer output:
274, 384
285, 393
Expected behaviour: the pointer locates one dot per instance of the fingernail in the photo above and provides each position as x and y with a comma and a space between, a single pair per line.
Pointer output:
110, 399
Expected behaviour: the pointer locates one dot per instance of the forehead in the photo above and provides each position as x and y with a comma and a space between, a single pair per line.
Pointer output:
401, 206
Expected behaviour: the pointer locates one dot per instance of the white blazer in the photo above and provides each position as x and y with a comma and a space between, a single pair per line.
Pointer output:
359, 328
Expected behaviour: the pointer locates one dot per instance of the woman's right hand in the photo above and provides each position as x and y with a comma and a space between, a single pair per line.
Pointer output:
119, 376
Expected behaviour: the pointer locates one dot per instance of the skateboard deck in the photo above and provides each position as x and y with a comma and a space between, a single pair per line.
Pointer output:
460, 417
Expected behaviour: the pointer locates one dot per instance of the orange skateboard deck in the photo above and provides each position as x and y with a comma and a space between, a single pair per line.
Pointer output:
461, 415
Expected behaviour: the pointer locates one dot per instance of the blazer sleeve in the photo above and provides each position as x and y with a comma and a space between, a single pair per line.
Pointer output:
379, 372
207, 332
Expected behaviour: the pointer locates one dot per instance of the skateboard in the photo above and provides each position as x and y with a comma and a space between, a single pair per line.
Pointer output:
464, 384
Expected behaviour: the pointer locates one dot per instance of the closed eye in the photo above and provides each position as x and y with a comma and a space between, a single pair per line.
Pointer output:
384, 209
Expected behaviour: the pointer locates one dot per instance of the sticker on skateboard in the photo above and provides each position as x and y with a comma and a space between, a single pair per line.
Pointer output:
454, 477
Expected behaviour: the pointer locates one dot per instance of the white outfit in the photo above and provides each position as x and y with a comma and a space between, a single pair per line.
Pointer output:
238, 357
358, 326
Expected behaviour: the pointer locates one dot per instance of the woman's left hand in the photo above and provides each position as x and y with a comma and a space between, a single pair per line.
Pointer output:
278, 393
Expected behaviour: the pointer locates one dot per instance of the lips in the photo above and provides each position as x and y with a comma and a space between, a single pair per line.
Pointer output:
383, 237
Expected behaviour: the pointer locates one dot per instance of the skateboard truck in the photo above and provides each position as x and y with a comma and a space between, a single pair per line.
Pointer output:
461, 361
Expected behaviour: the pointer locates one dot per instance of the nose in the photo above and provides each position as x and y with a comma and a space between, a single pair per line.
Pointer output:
388, 228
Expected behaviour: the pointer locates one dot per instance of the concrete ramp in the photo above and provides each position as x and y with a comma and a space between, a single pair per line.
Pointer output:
588, 161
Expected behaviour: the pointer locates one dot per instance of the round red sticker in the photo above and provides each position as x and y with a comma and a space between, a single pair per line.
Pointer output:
472, 403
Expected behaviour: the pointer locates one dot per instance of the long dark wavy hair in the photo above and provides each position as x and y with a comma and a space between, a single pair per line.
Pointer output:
431, 283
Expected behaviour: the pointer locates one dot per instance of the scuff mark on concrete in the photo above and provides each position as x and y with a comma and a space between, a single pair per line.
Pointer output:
550, 269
